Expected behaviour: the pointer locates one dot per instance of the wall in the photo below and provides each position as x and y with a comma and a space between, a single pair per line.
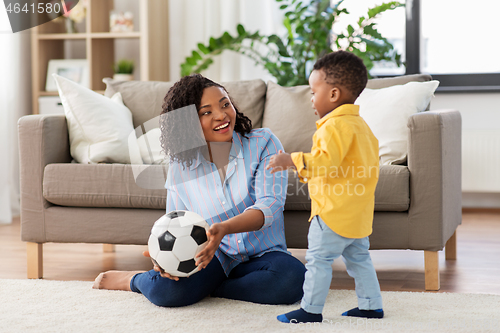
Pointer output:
480, 111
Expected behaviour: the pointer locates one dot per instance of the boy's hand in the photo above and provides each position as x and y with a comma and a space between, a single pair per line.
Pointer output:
280, 162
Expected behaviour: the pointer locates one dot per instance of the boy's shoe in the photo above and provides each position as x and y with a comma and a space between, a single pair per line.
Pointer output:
356, 312
300, 316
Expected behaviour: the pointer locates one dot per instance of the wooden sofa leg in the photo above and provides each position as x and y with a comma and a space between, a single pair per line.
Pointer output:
450, 248
108, 248
35, 260
431, 259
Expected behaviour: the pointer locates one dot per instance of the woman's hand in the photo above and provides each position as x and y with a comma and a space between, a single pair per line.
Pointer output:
280, 162
215, 234
159, 269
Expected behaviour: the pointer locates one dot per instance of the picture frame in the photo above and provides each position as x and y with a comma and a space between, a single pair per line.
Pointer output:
76, 70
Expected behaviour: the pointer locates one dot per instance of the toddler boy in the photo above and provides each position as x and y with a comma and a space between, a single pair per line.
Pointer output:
342, 173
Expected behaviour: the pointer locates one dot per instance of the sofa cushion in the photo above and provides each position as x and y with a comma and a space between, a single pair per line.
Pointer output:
116, 186
104, 185
145, 98
392, 81
292, 106
392, 192
98, 126
386, 111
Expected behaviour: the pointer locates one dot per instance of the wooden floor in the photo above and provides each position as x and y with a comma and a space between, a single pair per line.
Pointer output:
476, 270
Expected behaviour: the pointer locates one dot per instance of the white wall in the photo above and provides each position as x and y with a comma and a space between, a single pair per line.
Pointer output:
480, 111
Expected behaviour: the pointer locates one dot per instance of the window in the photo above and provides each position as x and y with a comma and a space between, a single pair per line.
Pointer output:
459, 39
456, 42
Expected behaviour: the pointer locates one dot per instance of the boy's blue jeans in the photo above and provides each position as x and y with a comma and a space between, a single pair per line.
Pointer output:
325, 246
274, 278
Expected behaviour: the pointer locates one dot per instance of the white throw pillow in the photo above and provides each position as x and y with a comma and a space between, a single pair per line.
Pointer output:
98, 126
387, 110
150, 147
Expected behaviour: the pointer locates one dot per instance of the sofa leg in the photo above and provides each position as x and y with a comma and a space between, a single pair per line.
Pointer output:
431, 259
35, 260
450, 248
108, 248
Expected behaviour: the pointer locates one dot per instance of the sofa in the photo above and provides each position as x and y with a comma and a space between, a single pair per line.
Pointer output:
417, 200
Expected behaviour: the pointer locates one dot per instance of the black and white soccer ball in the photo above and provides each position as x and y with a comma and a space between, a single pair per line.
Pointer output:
175, 240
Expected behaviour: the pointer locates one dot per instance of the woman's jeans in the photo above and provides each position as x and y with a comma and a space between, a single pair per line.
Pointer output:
325, 246
273, 278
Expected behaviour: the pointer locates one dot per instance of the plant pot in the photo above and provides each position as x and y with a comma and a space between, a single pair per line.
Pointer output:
123, 77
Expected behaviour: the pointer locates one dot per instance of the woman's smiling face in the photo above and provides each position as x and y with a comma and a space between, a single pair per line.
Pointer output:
217, 115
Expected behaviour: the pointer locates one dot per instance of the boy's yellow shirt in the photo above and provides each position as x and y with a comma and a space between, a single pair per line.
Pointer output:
342, 171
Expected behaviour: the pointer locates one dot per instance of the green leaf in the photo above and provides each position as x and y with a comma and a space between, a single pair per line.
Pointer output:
191, 61
185, 69
203, 48
226, 38
213, 43
324, 4
372, 31
241, 29
350, 30
196, 56
282, 50
341, 11
383, 7
204, 65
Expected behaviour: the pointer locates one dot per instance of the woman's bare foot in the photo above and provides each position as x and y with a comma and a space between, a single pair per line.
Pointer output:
115, 280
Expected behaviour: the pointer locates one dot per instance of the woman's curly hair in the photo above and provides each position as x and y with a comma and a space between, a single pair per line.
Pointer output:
185, 92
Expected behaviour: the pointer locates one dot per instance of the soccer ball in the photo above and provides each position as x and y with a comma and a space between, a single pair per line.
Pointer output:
175, 240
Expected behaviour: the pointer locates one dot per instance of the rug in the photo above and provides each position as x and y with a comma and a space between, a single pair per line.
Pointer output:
73, 306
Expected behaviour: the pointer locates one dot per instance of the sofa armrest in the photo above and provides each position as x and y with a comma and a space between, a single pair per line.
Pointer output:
435, 164
43, 139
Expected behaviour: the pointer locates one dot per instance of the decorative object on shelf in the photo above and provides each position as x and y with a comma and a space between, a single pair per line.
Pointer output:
70, 26
121, 22
124, 70
76, 70
309, 36
72, 12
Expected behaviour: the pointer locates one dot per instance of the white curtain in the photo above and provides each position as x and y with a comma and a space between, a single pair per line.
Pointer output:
15, 101
195, 21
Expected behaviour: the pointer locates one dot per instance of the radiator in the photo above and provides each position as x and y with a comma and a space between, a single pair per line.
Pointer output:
481, 161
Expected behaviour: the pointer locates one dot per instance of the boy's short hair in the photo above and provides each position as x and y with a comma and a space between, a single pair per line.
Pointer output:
345, 69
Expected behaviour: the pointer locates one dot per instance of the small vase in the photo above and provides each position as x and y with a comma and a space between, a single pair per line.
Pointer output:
70, 26
123, 77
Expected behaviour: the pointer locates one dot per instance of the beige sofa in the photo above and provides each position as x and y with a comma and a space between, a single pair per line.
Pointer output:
417, 205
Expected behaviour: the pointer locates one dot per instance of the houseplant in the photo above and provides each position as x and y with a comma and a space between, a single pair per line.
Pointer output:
309, 36
124, 70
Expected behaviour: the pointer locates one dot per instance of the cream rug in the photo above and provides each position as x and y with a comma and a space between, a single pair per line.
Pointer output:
56, 306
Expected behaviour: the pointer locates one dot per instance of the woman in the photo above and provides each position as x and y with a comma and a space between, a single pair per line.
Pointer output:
224, 181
